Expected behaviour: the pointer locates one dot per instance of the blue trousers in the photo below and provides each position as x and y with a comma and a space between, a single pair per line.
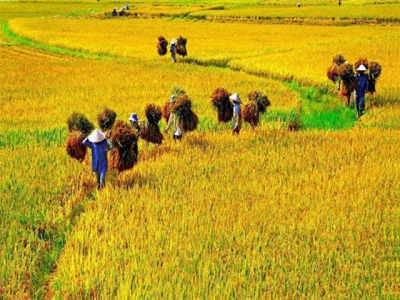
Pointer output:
101, 180
359, 103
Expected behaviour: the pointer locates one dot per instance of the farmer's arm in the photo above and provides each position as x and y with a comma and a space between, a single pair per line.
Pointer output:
86, 142
170, 121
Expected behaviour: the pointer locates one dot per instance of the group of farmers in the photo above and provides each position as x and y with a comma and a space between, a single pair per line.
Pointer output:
121, 12
99, 144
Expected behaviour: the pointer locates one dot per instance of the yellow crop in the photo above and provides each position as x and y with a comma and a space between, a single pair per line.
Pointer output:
268, 214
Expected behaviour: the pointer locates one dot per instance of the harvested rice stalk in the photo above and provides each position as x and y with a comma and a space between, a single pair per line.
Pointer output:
346, 73
74, 145
167, 109
361, 61
375, 70
220, 101
124, 159
79, 122
162, 45
124, 142
106, 119
187, 119
333, 73
150, 131
153, 113
339, 59
251, 113
181, 46
261, 100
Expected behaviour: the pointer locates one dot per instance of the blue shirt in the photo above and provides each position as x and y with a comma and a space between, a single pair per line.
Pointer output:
237, 114
362, 85
99, 155
173, 48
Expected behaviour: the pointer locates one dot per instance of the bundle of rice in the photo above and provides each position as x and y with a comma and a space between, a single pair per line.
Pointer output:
150, 131
74, 145
220, 100
167, 109
375, 70
251, 113
162, 45
261, 100
346, 73
181, 46
124, 151
361, 61
79, 122
333, 73
339, 59
187, 119
106, 119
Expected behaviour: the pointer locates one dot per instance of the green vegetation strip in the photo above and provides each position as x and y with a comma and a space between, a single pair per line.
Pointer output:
321, 110
54, 49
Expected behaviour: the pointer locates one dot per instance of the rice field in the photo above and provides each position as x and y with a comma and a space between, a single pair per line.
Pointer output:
269, 214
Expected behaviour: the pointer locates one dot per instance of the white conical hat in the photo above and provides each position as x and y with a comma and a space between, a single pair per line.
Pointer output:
361, 68
235, 97
173, 41
96, 136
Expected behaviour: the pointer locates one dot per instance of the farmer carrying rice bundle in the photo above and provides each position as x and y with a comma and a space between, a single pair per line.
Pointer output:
237, 113
124, 151
349, 80
149, 130
333, 70
167, 108
162, 45
361, 89
182, 117
224, 107
79, 128
134, 120
99, 145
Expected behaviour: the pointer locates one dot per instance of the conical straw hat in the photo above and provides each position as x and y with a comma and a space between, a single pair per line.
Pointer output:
96, 136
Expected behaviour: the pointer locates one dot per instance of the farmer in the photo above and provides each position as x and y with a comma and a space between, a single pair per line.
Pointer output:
173, 50
237, 113
134, 120
114, 12
172, 121
361, 89
99, 145
122, 11
127, 6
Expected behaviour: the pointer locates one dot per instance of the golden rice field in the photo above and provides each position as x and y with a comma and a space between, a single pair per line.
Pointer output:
268, 214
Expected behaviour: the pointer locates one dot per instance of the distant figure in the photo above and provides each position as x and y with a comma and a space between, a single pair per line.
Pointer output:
173, 121
99, 145
340, 2
173, 50
298, 4
237, 113
114, 12
134, 120
361, 89
127, 6
122, 11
